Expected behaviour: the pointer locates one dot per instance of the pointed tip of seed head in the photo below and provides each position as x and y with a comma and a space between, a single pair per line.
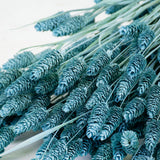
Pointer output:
91, 72
9, 92
65, 108
58, 91
38, 27
34, 77
117, 99
89, 134
56, 33
61, 89
90, 104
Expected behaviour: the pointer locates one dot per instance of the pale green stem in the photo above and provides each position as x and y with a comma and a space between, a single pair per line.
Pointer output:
107, 36
125, 61
91, 53
79, 44
155, 26
153, 15
83, 32
121, 54
113, 90
42, 45
152, 62
150, 45
54, 135
124, 14
152, 51
75, 134
157, 77
157, 68
119, 2
138, 149
106, 22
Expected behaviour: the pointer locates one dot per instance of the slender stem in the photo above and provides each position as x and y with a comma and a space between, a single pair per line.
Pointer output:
54, 135
152, 51
100, 46
41, 135
137, 150
157, 77
42, 45
152, 62
59, 14
75, 134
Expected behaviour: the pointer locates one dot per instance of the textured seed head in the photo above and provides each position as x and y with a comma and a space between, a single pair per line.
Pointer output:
103, 152
70, 74
142, 152
134, 108
146, 80
152, 134
97, 119
42, 150
57, 152
43, 53
108, 74
20, 60
73, 149
39, 101
86, 147
101, 94
46, 64
47, 84
129, 141
55, 117
73, 25
78, 47
51, 23
136, 65
132, 31
76, 99
3, 98
111, 123
15, 105
31, 120
124, 86
7, 77
82, 121
114, 8
145, 38
142, 157
153, 101
118, 152
71, 131
101, 58
6, 137
21, 85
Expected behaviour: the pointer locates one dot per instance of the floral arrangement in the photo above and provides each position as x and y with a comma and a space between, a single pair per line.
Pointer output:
96, 92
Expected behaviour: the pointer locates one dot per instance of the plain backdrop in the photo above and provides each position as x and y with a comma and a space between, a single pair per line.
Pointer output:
14, 14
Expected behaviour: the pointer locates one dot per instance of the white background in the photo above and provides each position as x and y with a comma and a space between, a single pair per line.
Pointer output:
16, 13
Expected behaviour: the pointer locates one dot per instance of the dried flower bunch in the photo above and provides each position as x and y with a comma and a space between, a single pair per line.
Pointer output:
96, 92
